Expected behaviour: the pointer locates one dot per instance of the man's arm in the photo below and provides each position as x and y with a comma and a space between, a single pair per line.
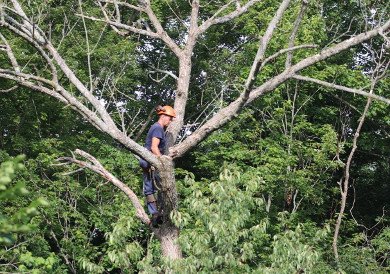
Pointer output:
154, 148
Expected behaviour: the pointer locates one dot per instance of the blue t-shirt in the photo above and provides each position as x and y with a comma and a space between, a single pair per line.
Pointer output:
156, 130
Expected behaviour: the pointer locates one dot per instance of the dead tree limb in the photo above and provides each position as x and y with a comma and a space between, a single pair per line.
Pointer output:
93, 164
344, 182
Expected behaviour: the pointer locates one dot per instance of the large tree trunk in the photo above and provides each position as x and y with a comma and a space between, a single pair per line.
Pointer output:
168, 233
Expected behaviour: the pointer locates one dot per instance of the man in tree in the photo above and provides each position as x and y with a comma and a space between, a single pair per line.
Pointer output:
70, 82
155, 142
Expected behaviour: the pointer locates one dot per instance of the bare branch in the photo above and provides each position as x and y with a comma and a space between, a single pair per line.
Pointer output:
107, 17
34, 32
24, 76
294, 32
122, 26
213, 20
36, 46
106, 125
10, 54
326, 53
167, 72
11, 75
344, 181
60, 94
122, 4
343, 88
88, 49
194, 29
28, 26
93, 164
9, 89
144, 125
161, 33
387, 39
264, 43
184, 76
282, 51
224, 115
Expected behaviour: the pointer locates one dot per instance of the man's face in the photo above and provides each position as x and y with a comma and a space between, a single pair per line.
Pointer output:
167, 120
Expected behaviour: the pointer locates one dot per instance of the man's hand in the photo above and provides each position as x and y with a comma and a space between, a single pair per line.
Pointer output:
173, 153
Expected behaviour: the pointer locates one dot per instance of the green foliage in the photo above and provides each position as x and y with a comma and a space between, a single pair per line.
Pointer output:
293, 254
225, 228
37, 265
358, 259
17, 221
125, 239
223, 224
382, 247
290, 153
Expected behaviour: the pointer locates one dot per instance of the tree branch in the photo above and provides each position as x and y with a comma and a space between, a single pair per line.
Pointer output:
34, 43
295, 31
162, 34
107, 125
122, 4
34, 32
224, 115
122, 26
282, 51
28, 85
326, 53
88, 49
10, 54
167, 72
264, 43
93, 164
343, 88
60, 94
9, 89
345, 182
213, 20
184, 76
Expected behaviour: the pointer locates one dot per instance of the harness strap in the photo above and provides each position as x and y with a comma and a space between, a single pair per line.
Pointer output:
151, 173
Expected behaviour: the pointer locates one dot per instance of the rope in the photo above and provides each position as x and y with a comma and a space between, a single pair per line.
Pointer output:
151, 174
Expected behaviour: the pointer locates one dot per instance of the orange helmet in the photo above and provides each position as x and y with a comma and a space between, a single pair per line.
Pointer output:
167, 110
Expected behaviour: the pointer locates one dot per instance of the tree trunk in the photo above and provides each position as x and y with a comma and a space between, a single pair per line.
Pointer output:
168, 233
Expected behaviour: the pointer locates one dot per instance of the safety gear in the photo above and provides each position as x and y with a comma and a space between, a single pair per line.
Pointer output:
166, 110
150, 198
151, 204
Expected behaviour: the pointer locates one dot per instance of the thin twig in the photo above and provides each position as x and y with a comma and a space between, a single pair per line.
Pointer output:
343, 88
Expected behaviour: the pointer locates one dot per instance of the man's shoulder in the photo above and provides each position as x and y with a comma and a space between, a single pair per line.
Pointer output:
156, 130
157, 126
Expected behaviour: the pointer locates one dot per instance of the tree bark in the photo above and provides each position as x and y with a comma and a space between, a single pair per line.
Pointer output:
168, 236
168, 233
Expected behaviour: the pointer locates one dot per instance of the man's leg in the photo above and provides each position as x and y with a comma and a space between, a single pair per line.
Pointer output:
149, 193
